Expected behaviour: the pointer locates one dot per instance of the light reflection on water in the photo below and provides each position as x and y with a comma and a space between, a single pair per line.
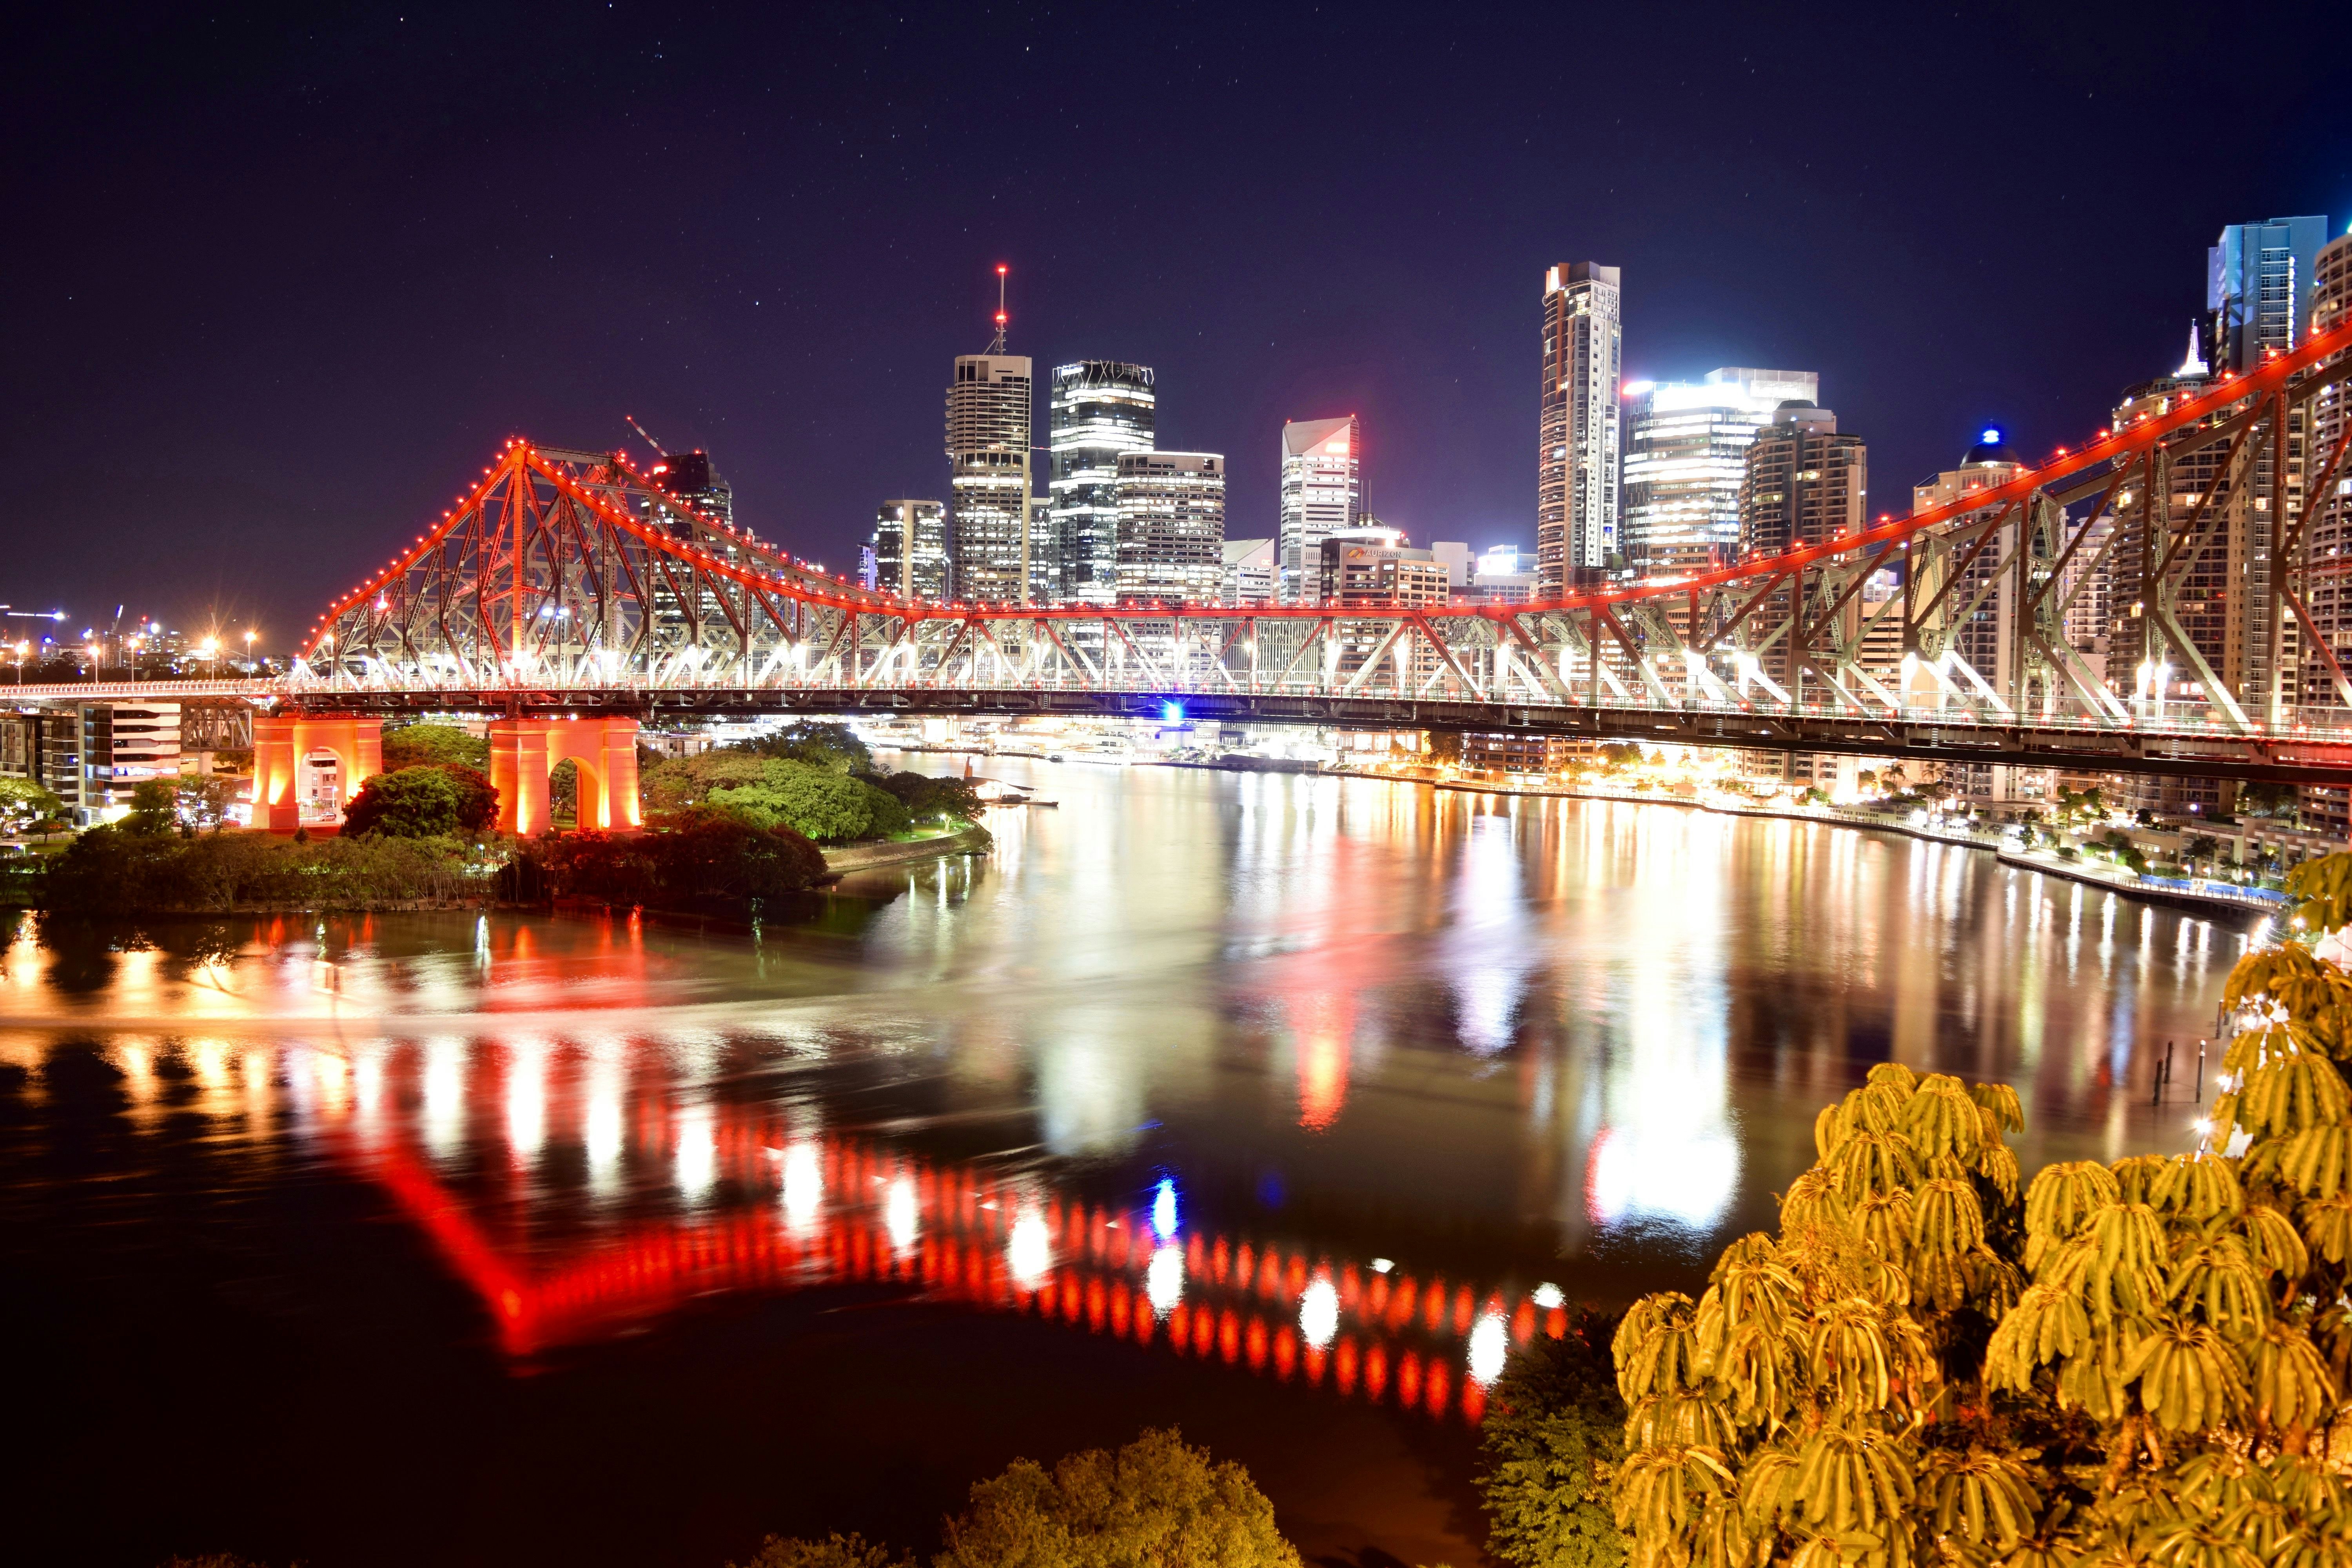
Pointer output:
1506, 1042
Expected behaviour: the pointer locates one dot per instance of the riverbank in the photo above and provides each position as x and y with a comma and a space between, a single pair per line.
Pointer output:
2180, 895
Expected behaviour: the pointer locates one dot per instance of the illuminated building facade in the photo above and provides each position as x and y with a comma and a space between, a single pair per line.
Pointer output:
2328, 534
1576, 490
1098, 411
1322, 491
1170, 510
1686, 455
690, 477
910, 548
2258, 289
1249, 573
1803, 483
988, 429
1372, 566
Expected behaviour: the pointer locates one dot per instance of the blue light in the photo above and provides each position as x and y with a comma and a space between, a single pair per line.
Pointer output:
1163, 1208
1991, 436
1171, 712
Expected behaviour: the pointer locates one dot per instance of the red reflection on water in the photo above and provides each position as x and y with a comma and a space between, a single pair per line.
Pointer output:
961, 1236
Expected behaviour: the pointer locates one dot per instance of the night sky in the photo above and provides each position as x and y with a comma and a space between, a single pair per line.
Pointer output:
278, 284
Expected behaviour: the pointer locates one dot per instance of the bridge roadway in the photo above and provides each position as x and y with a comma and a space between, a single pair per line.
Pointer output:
2313, 753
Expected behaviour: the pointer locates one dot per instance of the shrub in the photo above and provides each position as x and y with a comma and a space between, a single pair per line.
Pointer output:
835, 1550
685, 856
828, 806
835, 747
107, 871
1155, 1501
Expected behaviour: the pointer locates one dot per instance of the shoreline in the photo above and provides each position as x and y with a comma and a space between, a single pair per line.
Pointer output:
2021, 859
972, 840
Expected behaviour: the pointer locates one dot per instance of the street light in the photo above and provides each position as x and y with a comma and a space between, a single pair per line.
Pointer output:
210, 649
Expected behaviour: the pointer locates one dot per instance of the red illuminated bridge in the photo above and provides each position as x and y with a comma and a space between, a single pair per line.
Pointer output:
564, 591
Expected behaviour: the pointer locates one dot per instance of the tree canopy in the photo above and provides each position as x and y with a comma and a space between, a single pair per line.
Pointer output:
2141, 1362
431, 801
1156, 1503
828, 806
1554, 1432
688, 855
833, 746
25, 801
432, 745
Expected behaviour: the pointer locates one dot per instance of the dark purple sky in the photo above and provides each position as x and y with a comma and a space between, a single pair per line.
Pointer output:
278, 284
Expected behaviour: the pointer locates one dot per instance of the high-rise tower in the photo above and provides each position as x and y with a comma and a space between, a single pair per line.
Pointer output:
1322, 489
990, 407
1099, 409
1576, 492
2258, 282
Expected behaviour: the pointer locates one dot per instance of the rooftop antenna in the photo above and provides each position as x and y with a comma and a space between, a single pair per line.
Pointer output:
649, 441
997, 347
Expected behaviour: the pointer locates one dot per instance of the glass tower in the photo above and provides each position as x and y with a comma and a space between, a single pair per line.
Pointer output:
1100, 410
989, 413
1685, 455
1576, 490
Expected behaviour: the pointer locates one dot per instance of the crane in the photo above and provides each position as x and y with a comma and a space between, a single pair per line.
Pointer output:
659, 451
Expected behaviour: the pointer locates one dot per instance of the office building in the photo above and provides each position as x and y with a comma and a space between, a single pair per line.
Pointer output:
1098, 411
1503, 560
2328, 534
1249, 573
2258, 287
1686, 455
1322, 492
1576, 490
916, 570
1459, 561
990, 523
1171, 526
1375, 567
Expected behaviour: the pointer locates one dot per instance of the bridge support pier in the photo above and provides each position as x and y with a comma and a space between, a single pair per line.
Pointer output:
282, 747
524, 751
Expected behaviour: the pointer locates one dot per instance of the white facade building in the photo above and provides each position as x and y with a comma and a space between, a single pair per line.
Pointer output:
1322, 489
1249, 573
1171, 526
1576, 490
1098, 411
1685, 455
988, 426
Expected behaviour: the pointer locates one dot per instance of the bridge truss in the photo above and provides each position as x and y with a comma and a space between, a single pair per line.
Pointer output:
569, 582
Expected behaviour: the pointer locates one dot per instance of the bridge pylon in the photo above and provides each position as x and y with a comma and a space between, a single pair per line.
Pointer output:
283, 747
523, 752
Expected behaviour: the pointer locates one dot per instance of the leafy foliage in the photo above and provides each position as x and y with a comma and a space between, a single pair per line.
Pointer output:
432, 801
688, 855
1554, 1434
835, 747
926, 798
427, 745
1156, 1502
835, 1550
22, 801
154, 808
811, 798
830, 807
2143, 1362
109, 871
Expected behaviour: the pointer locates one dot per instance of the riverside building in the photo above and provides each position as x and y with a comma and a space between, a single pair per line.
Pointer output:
1098, 411
1170, 531
1322, 492
1803, 483
1576, 486
1685, 457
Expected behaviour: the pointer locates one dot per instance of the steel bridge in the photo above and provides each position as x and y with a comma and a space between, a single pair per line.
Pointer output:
567, 583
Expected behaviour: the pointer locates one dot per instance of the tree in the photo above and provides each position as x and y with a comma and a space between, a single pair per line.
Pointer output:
563, 790
414, 802
433, 745
927, 799
831, 746
203, 802
1554, 1433
1156, 1503
24, 802
154, 808
828, 806
835, 1550
2136, 1363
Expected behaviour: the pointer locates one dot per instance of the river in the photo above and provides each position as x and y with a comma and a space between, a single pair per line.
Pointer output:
1274, 1107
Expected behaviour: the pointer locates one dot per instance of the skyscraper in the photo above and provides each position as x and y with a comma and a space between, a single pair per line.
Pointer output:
1686, 455
910, 548
1322, 488
1171, 525
1576, 492
2258, 280
1804, 484
1099, 410
690, 477
988, 413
